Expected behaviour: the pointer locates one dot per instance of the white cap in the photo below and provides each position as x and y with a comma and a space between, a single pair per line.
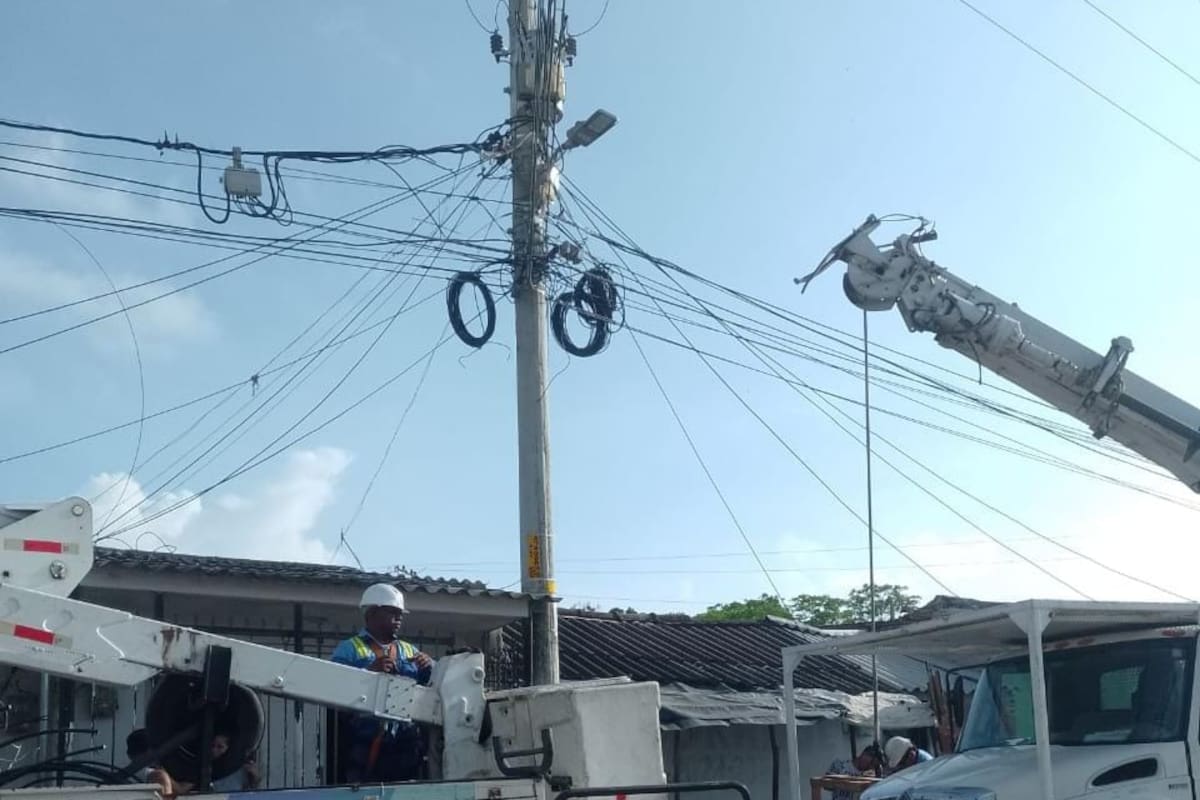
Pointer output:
382, 594
896, 748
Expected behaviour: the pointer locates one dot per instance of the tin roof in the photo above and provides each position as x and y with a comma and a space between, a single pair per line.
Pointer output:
743, 656
183, 563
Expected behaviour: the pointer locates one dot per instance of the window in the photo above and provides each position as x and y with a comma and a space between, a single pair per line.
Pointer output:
1117, 689
1127, 692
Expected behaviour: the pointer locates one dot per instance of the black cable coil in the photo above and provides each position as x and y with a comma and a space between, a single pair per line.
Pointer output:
454, 307
596, 301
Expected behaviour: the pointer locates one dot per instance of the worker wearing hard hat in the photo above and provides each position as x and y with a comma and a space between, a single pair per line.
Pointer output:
901, 753
379, 750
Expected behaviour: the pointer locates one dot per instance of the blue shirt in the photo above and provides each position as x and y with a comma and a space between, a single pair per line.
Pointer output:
357, 652
842, 766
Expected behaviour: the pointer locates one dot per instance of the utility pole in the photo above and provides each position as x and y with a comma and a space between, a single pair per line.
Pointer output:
536, 94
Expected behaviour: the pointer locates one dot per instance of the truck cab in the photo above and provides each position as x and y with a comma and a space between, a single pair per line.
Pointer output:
1120, 711
1111, 687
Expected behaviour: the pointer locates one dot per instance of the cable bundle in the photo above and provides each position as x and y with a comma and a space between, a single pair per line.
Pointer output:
597, 302
454, 308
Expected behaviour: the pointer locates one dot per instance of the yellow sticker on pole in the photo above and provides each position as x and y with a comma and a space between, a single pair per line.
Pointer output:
533, 557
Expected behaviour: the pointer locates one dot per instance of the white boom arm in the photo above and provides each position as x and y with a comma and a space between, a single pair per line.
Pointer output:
48, 550
1093, 388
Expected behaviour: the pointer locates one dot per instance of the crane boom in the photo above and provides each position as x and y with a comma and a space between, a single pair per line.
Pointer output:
1095, 388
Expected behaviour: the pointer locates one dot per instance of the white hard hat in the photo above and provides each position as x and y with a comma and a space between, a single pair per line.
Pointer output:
382, 594
896, 748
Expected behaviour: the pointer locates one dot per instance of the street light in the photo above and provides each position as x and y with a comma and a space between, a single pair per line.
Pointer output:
583, 133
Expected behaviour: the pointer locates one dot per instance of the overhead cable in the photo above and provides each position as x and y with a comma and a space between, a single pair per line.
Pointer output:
1075, 77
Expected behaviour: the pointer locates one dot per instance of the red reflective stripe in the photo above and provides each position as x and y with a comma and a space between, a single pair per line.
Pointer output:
41, 546
35, 634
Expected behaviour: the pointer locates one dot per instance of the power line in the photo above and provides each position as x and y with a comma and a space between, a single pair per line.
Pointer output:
1075, 77
296, 173
707, 472
906, 391
301, 252
429, 215
961, 516
800, 551
291, 242
264, 458
353, 227
387, 450
1058, 429
475, 17
207, 396
770, 429
279, 207
941, 478
407, 408
842, 339
940, 544
941, 501
1054, 428
932, 496
596, 24
137, 353
255, 381
1163, 56
801, 570
1018, 447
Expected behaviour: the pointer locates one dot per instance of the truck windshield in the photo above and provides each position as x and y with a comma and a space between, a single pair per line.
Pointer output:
1112, 694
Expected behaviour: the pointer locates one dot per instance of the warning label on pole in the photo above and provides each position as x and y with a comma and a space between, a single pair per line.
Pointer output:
533, 557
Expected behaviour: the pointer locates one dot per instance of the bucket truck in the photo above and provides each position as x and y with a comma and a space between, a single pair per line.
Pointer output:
1075, 700
584, 739
1095, 388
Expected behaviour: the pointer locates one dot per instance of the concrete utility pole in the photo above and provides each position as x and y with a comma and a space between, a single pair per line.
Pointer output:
536, 95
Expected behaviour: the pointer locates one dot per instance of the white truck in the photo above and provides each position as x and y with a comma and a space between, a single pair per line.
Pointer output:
598, 738
1080, 700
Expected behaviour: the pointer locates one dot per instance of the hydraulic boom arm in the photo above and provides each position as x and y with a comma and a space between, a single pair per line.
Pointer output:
47, 551
1095, 389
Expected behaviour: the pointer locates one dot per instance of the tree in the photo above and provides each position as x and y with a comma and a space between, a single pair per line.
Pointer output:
820, 609
763, 606
891, 601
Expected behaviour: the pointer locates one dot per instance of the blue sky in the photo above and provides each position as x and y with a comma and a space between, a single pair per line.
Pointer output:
750, 140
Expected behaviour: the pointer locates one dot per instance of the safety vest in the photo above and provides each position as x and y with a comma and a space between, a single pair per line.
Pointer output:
364, 647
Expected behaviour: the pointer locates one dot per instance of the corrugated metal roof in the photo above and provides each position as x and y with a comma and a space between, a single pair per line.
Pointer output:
182, 563
686, 707
744, 656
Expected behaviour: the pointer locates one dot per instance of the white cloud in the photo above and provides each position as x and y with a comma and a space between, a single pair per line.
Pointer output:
31, 283
276, 521
1143, 537
59, 193
28, 282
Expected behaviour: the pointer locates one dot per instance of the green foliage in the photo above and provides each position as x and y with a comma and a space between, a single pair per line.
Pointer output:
758, 608
891, 602
821, 609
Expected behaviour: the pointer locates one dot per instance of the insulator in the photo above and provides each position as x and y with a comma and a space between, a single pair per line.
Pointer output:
497, 45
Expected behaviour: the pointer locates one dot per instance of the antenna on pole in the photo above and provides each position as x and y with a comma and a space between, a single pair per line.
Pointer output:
870, 528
